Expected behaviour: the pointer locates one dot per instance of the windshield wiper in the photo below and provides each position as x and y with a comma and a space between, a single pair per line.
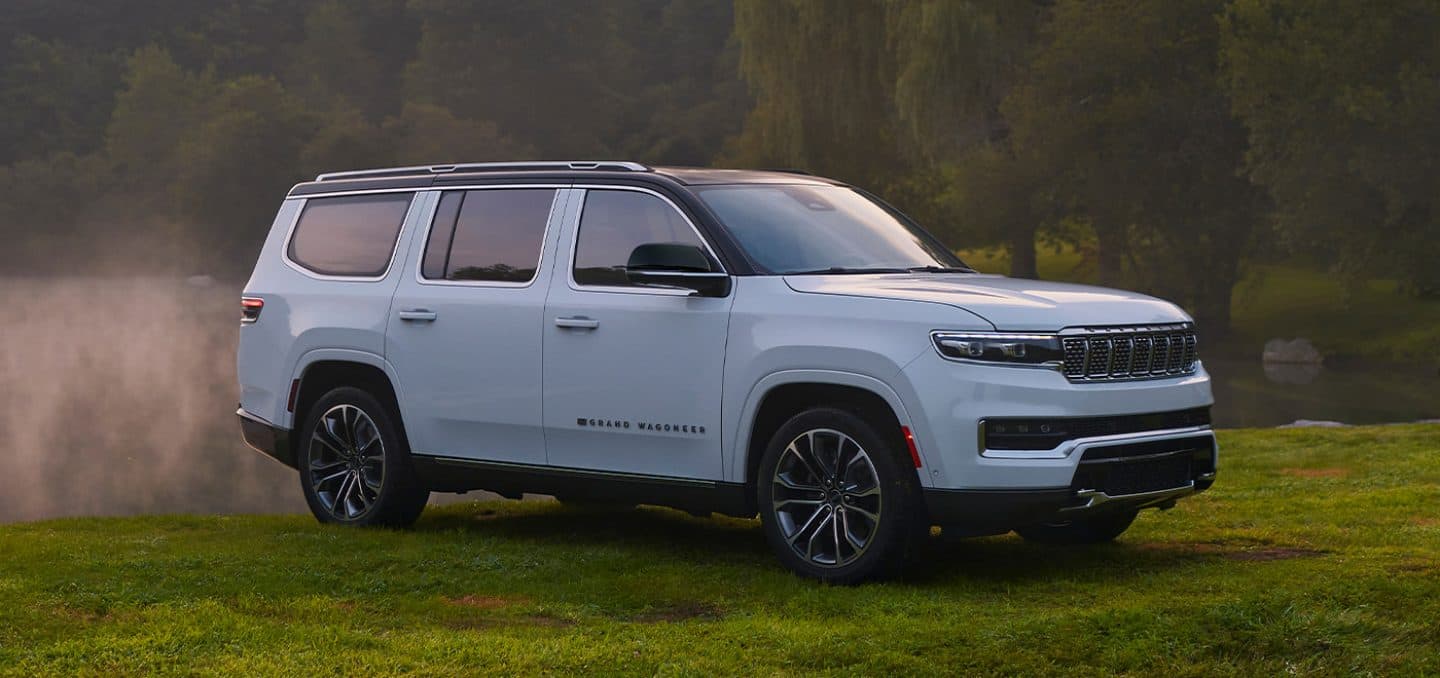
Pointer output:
940, 269
844, 270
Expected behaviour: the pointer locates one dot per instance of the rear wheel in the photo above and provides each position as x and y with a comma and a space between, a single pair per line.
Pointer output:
1096, 530
355, 466
836, 502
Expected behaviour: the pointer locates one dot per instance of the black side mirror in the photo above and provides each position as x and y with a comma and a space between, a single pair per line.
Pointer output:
677, 266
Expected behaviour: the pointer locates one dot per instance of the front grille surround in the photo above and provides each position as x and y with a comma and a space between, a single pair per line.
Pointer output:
1101, 354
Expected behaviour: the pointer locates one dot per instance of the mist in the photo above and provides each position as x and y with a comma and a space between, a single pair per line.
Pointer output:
119, 399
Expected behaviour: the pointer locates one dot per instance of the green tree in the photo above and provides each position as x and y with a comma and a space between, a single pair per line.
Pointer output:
1122, 103
1342, 103
822, 75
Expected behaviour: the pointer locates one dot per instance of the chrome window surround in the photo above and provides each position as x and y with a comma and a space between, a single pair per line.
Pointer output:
394, 246
575, 241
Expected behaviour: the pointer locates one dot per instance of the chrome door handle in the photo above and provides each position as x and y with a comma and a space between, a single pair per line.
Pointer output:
420, 315
578, 322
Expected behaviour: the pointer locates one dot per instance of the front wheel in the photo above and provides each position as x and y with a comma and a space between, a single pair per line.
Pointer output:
836, 501
355, 466
1097, 530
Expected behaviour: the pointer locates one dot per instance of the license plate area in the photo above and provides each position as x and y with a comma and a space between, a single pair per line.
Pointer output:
1151, 466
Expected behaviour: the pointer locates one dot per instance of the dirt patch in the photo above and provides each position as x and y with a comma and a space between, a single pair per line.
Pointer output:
487, 602
1315, 472
677, 613
1273, 553
1425, 521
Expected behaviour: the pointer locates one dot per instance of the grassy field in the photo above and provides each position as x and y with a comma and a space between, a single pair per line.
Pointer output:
1374, 323
1318, 552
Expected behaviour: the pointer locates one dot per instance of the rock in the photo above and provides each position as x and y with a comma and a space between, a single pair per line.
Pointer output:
1294, 351
200, 281
1313, 423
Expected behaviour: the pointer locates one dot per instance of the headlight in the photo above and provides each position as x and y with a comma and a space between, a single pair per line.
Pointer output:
1036, 350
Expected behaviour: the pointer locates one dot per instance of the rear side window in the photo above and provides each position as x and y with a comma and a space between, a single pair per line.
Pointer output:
350, 236
492, 235
614, 223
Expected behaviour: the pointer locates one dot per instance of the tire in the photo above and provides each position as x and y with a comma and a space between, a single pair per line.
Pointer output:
874, 526
346, 480
1097, 530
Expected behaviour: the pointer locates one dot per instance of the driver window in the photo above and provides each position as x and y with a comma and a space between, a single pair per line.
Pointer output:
613, 223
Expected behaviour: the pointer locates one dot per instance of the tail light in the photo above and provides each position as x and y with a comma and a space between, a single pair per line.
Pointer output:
250, 308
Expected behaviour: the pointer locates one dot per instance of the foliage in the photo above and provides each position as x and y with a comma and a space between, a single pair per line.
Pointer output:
1315, 553
1341, 101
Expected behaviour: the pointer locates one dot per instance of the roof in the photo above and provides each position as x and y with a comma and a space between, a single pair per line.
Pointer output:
439, 175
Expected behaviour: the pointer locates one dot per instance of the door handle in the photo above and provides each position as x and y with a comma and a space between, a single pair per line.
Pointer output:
578, 322
421, 315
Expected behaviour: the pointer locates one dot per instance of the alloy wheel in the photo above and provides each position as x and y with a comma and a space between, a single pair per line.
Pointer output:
346, 462
826, 497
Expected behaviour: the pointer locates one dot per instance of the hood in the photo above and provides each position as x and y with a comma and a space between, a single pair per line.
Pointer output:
1007, 303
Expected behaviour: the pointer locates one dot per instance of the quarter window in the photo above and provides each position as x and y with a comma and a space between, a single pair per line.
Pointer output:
613, 224
488, 235
351, 236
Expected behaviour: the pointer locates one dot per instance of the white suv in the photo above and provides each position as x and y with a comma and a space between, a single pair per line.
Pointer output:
726, 341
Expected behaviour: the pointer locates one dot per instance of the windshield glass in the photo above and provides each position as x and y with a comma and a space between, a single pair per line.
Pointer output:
790, 229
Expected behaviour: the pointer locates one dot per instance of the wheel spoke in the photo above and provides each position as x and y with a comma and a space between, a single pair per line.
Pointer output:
798, 502
814, 472
810, 543
850, 536
791, 484
872, 492
872, 517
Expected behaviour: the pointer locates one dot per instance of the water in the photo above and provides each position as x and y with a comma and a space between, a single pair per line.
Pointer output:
117, 397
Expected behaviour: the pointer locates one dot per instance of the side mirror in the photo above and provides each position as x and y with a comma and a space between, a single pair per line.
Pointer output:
676, 266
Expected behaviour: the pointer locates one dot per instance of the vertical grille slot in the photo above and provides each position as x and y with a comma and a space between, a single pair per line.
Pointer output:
1074, 357
1098, 364
1121, 352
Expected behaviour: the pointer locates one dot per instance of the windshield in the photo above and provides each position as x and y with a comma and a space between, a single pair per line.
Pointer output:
790, 229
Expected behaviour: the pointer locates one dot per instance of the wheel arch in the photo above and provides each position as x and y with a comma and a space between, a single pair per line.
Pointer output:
778, 397
327, 370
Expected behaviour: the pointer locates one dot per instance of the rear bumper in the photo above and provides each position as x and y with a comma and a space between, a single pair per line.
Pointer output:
266, 438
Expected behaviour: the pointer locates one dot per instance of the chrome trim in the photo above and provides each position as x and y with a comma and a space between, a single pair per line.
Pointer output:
1157, 365
1070, 447
386, 172
394, 247
240, 411
1096, 498
428, 223
584, 190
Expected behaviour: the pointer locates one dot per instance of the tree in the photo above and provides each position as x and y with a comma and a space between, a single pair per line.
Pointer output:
1122, 104
1341, 101
822, 75
956, 62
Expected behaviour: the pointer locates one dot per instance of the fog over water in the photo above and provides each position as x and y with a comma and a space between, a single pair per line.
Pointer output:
117, 397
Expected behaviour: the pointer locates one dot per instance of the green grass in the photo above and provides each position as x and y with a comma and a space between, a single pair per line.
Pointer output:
1374, 323
1318, 551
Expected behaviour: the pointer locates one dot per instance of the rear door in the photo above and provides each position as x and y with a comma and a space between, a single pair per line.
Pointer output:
465, 326
632, 375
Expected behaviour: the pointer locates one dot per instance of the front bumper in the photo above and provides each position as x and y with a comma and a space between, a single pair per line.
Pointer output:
266, 438
1112, 473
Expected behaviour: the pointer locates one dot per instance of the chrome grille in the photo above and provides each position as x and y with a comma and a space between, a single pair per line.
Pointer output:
1142, 352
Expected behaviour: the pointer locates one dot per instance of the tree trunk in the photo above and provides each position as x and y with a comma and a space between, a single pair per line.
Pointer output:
1110, 256
1022, 254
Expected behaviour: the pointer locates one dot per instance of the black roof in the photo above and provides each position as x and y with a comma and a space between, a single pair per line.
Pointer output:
520, 172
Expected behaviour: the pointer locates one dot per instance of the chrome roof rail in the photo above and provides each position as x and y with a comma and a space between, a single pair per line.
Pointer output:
604, 165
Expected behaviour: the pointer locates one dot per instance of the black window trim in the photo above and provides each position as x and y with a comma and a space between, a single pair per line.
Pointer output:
394, 246
584, 195
428, 221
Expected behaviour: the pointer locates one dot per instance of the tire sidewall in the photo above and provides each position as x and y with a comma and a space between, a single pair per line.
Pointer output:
399, 475
899, 500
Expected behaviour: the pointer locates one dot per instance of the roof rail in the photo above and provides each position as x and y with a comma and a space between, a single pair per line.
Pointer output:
788, 170
607, 165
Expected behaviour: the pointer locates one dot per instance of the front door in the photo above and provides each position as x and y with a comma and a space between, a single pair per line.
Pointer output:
465, 325
632, 374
